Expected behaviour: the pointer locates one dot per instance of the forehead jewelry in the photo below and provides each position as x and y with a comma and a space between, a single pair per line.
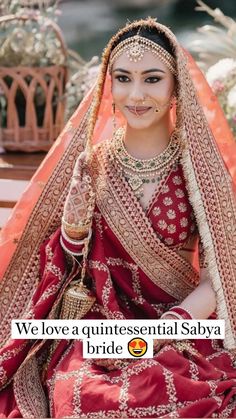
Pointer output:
136, 46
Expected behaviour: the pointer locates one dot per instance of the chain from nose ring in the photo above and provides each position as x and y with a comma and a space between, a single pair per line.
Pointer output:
157, 109
142, 101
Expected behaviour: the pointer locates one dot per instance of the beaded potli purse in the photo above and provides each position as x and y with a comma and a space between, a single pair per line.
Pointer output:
78, 299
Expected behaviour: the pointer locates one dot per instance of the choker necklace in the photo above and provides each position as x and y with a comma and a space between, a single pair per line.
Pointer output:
147, 165
139, 172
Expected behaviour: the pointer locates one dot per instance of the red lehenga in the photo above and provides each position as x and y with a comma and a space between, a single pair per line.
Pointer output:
135, 271
134, 275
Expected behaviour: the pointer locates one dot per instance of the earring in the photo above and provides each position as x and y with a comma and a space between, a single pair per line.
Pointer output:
114, 116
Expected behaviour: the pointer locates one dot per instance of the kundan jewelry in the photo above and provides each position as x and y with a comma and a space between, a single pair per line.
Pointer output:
136, 46
140, 172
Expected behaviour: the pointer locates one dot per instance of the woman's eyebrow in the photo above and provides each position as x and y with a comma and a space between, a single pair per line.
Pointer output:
151, 70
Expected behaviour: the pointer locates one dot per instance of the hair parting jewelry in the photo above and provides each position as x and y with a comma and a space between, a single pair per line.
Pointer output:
135, 48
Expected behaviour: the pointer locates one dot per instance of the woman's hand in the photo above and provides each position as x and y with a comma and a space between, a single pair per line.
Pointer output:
79, 203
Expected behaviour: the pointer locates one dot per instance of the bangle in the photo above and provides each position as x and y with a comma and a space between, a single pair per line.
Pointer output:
81, 228
69, 251
176, 315
186, 314
75, 241
68, 238
74, 247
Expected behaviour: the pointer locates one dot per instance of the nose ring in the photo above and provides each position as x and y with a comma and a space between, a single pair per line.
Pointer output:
136, 104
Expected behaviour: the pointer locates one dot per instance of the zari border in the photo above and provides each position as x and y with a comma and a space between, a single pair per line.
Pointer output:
22, 275
29, 393
207, 240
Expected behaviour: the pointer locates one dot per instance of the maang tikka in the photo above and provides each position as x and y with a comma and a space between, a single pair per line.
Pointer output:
135, 47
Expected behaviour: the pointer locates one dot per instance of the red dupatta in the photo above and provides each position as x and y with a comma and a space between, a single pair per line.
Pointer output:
31, 223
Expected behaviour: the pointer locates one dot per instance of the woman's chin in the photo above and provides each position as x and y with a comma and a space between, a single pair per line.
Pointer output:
139, 124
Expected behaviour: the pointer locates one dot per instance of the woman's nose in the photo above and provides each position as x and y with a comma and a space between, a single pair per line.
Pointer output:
136, 93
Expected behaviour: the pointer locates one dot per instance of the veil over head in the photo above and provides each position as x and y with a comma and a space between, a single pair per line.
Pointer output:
208, 158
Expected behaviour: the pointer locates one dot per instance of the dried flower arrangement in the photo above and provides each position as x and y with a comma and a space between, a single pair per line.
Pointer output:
215, 49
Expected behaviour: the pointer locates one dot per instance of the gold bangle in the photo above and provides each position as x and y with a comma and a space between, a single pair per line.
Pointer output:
76, 228
74, 235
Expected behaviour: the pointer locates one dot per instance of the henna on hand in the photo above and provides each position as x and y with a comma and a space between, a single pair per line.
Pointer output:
79, 201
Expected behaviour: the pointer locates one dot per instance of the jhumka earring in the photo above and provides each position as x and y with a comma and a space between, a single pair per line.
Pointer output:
114, 117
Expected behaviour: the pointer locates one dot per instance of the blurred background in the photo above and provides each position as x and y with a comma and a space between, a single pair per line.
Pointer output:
88, 24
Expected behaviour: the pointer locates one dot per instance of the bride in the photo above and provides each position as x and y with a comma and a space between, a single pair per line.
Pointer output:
145, 222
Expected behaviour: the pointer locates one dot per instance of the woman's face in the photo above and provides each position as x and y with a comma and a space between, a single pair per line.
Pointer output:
138, 89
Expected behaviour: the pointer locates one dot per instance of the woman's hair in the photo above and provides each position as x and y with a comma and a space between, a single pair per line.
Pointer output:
150, 33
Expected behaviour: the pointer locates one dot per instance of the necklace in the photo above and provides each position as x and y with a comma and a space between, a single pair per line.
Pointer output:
146, 165
139, 172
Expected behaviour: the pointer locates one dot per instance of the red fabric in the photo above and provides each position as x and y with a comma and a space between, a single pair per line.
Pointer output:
195, 382
172, 215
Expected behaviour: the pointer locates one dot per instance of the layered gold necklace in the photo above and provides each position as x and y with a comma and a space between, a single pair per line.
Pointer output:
139, 172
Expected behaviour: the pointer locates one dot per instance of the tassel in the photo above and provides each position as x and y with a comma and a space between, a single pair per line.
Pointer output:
78, 299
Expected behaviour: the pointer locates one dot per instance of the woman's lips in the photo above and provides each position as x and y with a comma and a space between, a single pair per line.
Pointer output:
138, 110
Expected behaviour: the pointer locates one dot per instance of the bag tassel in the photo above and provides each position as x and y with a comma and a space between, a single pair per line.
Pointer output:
78, 299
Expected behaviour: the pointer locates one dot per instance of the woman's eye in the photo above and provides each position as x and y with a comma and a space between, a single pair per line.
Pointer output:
122, 79
153, 79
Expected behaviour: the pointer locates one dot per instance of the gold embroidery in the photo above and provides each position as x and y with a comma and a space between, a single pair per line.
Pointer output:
138, 299
171, 214
184, 222
28, 391
44, 220
182, 207
177, 180
156, 211
167, 201
171, 228
183, 235
126, 218
179, 193
210, 231
6, 355
165, 188
162, 224
106, 290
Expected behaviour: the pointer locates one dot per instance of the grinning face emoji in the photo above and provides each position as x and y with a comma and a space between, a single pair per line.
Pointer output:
137, 347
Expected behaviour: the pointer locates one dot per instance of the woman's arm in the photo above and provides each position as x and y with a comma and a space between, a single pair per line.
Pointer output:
202, 301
